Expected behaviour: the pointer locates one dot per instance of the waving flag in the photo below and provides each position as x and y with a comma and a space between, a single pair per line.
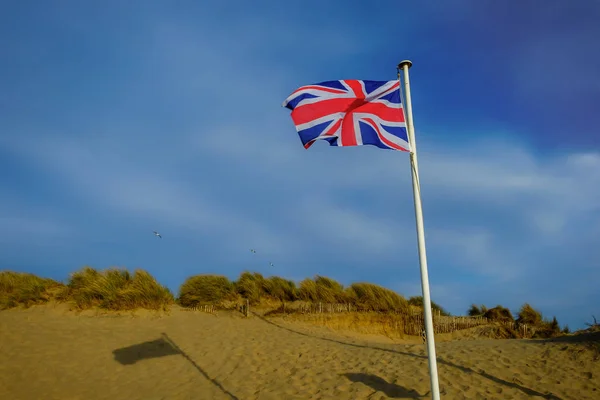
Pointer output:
356, 113
350, 113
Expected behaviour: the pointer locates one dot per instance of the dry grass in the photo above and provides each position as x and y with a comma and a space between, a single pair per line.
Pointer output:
529, 315
250, 286
390, 325
476, 311
495, 331
382, 311
322, 289
116, 289
543, 328
259, 290
499, 314
205, 289
548, 329
593, 336
112, 289
417, 301
370, 297
280, 289
24, 289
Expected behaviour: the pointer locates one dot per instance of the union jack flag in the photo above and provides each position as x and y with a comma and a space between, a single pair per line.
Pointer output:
350, 113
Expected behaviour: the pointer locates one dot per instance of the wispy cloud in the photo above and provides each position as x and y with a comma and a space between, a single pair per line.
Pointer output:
539, 198
350, 229
98, 176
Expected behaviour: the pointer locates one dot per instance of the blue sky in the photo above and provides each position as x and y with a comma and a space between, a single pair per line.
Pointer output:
120, 119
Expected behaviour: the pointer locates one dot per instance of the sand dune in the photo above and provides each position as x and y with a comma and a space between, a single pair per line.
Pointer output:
48, 352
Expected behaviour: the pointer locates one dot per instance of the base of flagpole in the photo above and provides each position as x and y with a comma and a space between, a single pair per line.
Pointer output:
405, 62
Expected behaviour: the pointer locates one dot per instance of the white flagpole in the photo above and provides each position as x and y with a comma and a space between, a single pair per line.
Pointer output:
433, 374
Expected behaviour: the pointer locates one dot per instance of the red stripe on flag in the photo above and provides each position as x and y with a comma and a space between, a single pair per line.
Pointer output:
310, 112
356, 88
381, 137
348, 134
333, 128
382, 111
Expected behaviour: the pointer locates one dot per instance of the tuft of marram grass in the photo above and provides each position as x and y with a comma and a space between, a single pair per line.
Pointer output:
205, 289
418, 302
547, 329
322, 289
116, 289
477, 311
308, 291
499, 314
528, 315
25, 289
280, 289
371, 297
250, 286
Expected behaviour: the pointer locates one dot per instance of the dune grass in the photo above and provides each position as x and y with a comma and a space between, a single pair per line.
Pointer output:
218, 289
251, 286
528, 315
476, 311
25, 289
499, 314
322, 289
280, 289
417, 301
205, 289
371, 297
362, 295
544, 328
389, 325
116, 289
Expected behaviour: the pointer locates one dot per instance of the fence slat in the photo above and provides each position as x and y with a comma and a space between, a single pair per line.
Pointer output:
414, 322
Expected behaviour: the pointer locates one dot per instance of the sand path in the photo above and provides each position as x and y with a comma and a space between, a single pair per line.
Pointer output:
48, 353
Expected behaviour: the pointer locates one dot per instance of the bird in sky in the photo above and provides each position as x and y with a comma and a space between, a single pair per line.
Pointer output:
253, 251
271, 264
157, 234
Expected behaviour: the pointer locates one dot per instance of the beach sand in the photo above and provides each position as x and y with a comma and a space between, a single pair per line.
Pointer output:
48, 352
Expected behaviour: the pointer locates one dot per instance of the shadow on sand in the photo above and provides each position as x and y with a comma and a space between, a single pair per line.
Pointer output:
161, 348
589, 341
467, 370
142, 351
582, 338
381, 385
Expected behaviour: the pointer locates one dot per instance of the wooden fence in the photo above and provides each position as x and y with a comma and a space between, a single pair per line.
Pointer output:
526, 331
414, 322
317, 308
207, 308
442, 324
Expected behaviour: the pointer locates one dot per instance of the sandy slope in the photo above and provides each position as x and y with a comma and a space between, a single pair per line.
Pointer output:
49, 353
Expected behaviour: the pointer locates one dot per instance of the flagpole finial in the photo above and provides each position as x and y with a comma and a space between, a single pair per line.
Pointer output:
403, 63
